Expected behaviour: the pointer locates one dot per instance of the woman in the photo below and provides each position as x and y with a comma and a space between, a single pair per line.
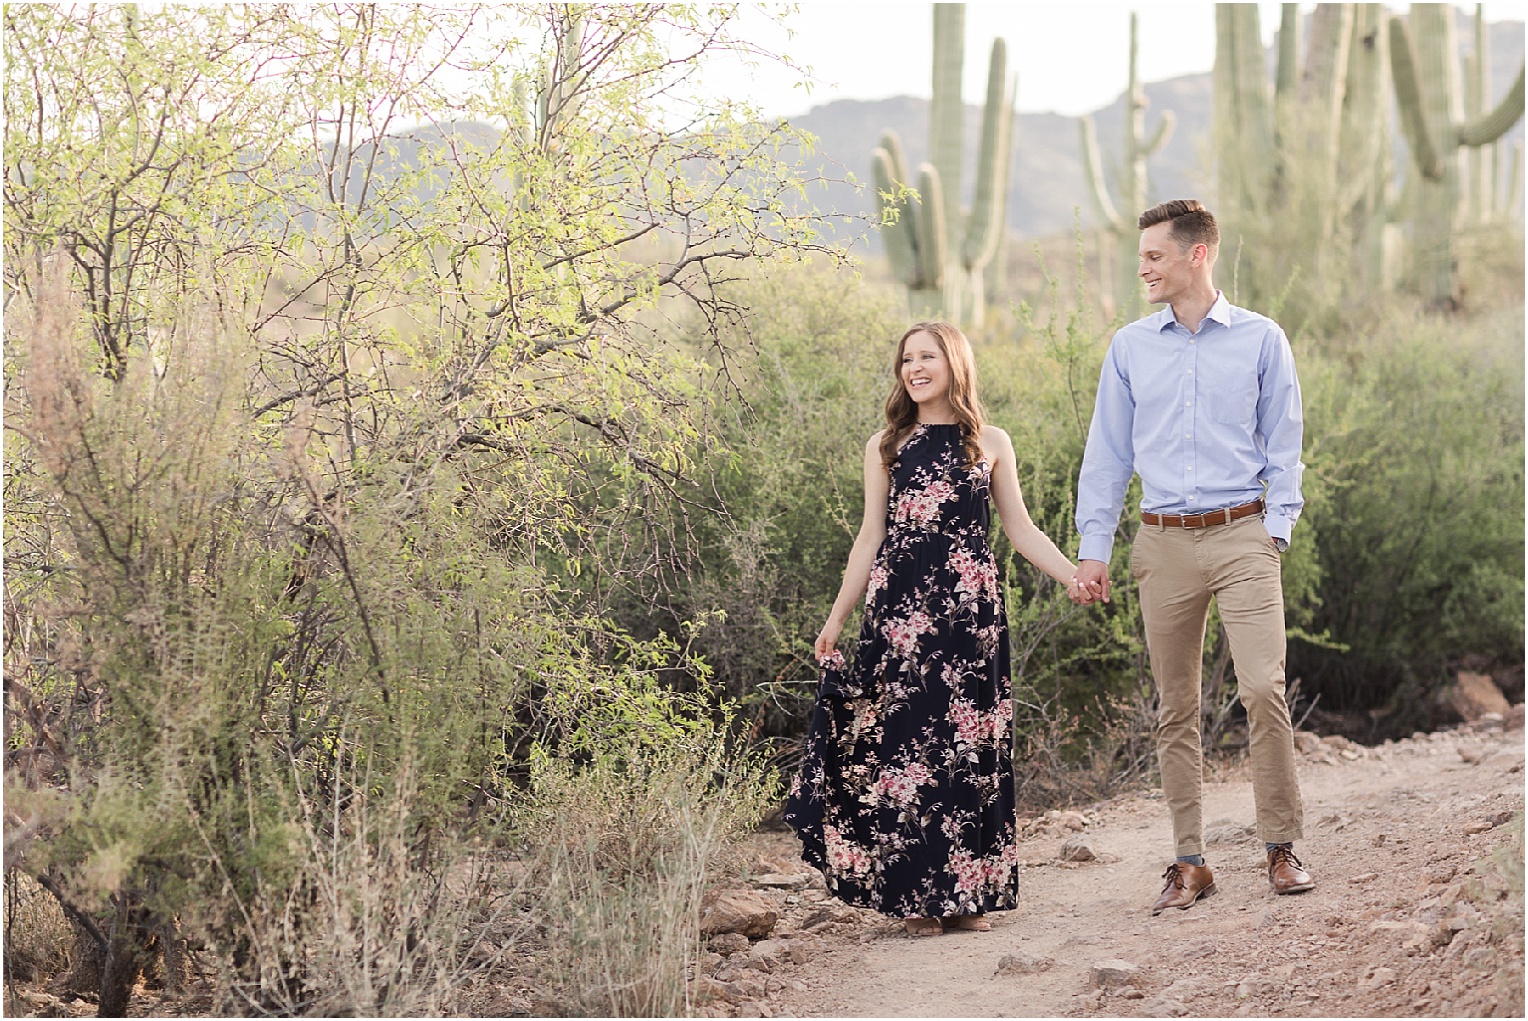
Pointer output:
905, 798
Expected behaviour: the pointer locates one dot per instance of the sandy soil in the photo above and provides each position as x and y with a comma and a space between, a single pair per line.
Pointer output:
1411, 916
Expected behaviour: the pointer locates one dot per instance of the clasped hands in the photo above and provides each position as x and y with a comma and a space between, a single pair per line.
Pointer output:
1090, 584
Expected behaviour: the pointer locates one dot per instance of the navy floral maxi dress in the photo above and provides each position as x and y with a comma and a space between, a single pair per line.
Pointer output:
905, 797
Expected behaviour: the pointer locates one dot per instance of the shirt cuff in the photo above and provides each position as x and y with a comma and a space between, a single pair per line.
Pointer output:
1096, 547
1279, 526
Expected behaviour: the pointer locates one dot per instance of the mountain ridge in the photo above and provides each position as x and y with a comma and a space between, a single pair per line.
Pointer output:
1048, 185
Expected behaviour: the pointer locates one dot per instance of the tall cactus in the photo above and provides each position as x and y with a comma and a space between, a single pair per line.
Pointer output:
1119, 222
1365, 169
1303, 169
1491, 188
1432, 117
940, 256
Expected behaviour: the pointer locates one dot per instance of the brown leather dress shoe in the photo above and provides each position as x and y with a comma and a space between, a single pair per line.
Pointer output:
1185, 884
1286, 874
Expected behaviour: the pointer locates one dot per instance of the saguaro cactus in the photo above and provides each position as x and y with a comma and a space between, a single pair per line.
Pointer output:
1365, 170
1432, 117
1119, 223
1303, 169
940, 255
1491, 188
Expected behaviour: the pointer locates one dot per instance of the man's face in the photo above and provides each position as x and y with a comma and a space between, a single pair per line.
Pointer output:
1166, 266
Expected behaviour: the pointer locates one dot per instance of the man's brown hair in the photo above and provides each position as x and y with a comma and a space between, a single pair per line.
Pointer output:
1192, 224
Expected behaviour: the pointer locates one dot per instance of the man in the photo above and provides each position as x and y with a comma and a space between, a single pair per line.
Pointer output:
1201, 400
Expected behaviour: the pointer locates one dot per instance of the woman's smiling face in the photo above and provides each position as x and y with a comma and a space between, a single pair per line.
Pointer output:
925, 370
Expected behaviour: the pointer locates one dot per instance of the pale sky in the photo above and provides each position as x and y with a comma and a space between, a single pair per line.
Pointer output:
1070, 57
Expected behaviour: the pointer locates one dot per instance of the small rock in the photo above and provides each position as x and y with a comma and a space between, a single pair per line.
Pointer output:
1077, 848
790, 881
1482, 958
1133, 993
1307, 742
705, 990
1224, 832
748, 987
1196, 950
1252, 985
753, 1008
1364, 877
1022, 964
726, 943
1165, 1008
1112, 973
1442, 873
1478, 826
1379, 977
768, 948
1474, 695
738, 911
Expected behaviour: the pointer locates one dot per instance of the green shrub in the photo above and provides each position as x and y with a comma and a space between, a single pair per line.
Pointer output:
1416, 445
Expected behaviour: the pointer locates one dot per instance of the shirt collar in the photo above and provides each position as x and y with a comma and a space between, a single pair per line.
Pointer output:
1220, 312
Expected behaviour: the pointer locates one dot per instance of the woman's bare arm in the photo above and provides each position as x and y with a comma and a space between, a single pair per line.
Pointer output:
1032, 544
862, 557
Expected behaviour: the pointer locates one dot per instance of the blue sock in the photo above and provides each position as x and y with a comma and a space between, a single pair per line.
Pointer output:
1268, 848
1192, 859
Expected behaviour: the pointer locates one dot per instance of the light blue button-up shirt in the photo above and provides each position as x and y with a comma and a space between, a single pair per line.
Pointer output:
1209, 420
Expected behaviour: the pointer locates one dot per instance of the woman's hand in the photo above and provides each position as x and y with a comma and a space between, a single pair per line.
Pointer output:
827, 640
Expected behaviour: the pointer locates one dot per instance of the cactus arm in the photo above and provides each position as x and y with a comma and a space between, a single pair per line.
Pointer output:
1514, 180
1287, 76
985, 228
1254, 113
1408, 95
1487, 129
947, 113
899, 224
1325, 80
1159, 137
1108, 216
933, 248
1227, 166
892, 143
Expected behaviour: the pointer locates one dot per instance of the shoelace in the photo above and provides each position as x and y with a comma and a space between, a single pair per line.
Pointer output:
1280, 855
1174, 875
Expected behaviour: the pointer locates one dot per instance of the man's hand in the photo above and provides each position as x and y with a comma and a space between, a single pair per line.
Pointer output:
1092, 581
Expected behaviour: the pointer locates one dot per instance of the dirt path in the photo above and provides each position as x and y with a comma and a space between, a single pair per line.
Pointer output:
1408, 917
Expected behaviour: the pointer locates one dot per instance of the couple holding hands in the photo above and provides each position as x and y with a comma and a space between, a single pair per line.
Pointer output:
905, 798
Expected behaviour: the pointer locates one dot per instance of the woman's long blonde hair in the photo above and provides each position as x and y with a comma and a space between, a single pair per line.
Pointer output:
902, 413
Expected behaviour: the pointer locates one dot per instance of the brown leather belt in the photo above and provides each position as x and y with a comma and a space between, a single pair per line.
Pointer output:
1223, 516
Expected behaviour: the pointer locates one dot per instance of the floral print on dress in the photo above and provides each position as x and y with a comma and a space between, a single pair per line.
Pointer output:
905, 794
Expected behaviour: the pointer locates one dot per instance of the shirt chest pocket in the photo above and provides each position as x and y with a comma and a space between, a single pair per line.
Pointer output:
1231, 404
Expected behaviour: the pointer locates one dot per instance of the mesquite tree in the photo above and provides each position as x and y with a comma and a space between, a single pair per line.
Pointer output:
339, 352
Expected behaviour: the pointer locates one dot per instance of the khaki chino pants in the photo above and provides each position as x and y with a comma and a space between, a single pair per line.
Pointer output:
1178, 570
